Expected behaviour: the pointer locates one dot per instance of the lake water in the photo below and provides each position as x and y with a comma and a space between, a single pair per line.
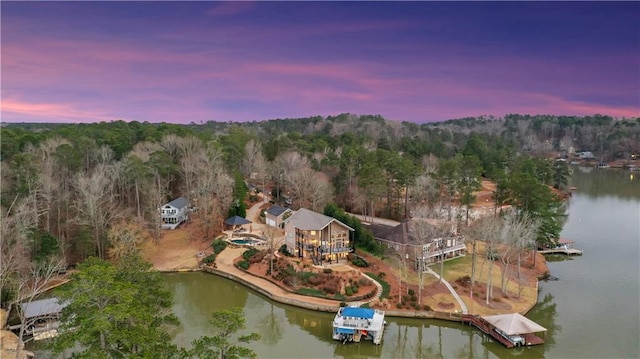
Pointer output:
592, 311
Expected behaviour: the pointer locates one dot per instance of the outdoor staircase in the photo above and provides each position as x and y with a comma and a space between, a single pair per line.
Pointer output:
315, 259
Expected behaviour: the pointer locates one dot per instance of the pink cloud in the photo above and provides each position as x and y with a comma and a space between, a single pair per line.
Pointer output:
51, 111
153, 83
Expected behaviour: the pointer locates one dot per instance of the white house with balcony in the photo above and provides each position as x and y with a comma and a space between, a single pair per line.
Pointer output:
312, 235
174, 213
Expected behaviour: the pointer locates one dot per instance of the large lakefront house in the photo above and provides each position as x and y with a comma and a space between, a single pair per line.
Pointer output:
436, 245
321, 238
174, 213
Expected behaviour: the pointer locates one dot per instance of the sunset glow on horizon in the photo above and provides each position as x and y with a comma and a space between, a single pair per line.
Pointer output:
252, 61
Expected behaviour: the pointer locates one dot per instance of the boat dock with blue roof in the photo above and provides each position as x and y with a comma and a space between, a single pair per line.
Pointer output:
353, 324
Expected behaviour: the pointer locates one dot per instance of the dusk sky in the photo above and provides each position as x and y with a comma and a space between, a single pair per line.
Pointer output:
253, 61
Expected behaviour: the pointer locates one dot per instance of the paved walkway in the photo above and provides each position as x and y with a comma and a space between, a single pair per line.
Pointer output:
453, 291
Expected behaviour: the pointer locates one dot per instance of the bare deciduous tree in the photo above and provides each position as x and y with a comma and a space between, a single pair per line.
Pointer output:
15, 224
521, 231
96, 202
424, 234
252, 150
488, 229
212, 190
274, 240
126, 238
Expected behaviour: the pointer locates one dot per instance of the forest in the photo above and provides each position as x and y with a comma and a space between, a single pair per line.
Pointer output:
75, 191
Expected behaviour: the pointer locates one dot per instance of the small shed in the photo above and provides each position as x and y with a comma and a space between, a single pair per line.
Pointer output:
42, 317
276, 215
42, 308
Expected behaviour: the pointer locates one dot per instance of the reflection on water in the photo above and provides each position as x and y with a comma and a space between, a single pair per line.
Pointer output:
607, 182
596, 294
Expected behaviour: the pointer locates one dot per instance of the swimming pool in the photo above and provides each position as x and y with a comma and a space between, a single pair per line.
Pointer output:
244, 241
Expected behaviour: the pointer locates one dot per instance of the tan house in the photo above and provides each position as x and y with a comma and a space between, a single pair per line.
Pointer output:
314, 236
441, 245
276, 215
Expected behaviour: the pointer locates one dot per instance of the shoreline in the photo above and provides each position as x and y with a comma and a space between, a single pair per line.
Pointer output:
288, 297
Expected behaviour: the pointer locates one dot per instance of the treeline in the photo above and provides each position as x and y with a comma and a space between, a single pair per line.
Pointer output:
540, 134
78, 191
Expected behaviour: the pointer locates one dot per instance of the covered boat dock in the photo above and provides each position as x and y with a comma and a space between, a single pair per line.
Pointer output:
512, 330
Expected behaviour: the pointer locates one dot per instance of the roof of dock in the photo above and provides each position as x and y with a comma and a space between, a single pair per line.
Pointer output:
514, 324
358, 312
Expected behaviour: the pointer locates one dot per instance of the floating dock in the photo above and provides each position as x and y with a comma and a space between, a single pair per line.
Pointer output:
564, 246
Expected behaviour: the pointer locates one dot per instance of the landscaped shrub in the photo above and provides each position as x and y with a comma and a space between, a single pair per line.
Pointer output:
412, 292
348, 292
343, 304
464, 281
209, 259
357, 260
219, 245
258, 257
243, 264
417, 306
284, 250
414, 298
399, 305
427, 307
249, 253
327, 270
306, 276
329, 289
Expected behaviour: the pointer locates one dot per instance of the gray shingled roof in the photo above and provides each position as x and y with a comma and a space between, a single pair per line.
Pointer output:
309, 220
276, 210
402, 233
42, 307
179, 202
